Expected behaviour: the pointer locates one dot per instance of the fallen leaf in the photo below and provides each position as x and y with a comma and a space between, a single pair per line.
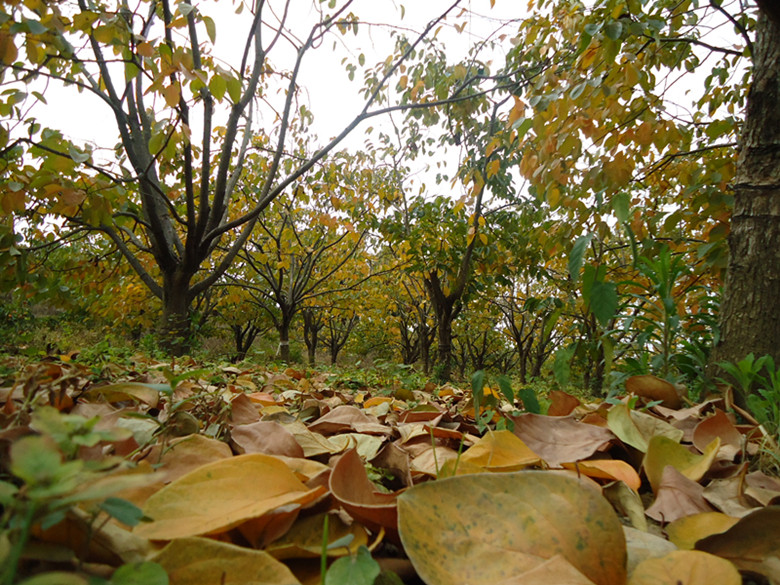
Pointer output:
351, 487
562, 403
685, 567
752, 544
527, 516
304, 539
685, 532
221, 495
676, 497
348, 418
612, 469
560, 440
136, 391
265, 437
203, 561
662, 451
627, 503
654, 388
641, 545
718, 425
500, 451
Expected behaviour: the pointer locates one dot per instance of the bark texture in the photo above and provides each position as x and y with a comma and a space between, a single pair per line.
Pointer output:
750, 311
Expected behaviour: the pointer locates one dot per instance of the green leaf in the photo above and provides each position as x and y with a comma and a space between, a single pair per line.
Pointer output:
211, 28
614, 29
578, 89
142, 573
55, 578
577, 255
218, 87
122, 510
621, 206
358, 570
561, 365
505, 385
7, 493
76, 155
593, 28
530, 402
35, 459
234, 89
603, 301
35, 27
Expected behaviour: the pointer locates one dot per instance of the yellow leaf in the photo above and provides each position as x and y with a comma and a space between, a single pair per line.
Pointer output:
685, 567
513, 523
612, 469
553, 197
491, 147
202, 561
663, 451
172, 93
500, 451
221, 495
492, 167
687, 530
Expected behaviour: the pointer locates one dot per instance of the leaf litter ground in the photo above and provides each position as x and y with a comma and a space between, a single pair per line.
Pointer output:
237, 469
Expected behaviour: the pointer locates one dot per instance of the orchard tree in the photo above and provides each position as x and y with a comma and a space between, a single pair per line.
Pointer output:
311, 243
176, 188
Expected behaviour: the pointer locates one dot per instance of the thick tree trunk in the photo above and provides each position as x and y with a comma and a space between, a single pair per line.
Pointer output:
750, 311
175, 333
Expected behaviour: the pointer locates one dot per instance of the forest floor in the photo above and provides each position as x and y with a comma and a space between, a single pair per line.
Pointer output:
176, 472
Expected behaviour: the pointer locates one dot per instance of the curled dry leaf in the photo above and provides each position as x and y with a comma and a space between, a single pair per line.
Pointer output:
611, 469
492, 528
351, 487
222, 495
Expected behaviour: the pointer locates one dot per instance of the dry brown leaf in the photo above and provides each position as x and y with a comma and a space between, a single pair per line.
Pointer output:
243, 410
718, 425
348, 418
677, 497
562, 403
654, 388
265, 437
560, 440
351, 487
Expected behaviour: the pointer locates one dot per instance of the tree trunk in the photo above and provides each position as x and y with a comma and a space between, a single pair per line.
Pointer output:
750, 311
174, 330
444, 338
284, 340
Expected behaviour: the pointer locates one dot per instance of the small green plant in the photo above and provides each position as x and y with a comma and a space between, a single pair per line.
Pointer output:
758, 380
45, 480
486, 406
